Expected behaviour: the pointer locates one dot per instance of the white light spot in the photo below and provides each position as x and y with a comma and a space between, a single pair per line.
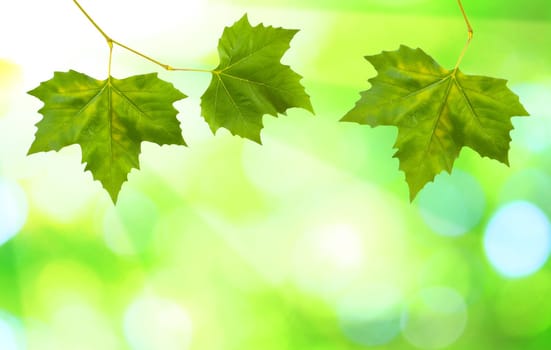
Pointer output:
517, 240
328, 258
435, 318
153, 323
342, 245
13, 210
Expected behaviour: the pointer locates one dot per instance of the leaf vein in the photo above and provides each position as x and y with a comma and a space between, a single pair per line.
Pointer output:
249, 55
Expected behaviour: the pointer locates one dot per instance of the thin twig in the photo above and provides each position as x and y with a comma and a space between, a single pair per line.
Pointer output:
92, 21
469, 37
112, 42
191, 70
165, 66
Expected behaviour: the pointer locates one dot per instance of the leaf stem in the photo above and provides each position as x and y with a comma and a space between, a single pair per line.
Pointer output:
111, 42
469, 36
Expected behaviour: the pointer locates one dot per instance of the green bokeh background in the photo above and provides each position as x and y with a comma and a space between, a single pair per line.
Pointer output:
306, 242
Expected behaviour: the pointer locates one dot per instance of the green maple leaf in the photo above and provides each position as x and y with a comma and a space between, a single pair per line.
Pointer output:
250, 80
437, 112
108, 119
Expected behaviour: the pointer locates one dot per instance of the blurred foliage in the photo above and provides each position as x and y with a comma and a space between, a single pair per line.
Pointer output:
306, 242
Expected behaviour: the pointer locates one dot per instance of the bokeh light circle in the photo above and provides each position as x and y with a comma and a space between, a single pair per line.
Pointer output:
452, 205
13, 210
435, 318
371, 315
152, 323
533, 136
91, 324
10, 333
517, 240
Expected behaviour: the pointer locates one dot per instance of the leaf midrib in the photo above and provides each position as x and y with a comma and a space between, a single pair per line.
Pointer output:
439, 116
111, 88
230, 96
110, 108
453, 80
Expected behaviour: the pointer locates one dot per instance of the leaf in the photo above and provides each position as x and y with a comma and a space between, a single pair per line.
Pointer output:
437, 112
250, 81
108, 119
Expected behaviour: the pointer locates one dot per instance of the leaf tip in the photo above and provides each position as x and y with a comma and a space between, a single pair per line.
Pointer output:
522, 112
32, 150
251, 135
413, 191
114, 196
505, 160
113, 189
182, 142
244, 19
347, 117
307, 105
34, 91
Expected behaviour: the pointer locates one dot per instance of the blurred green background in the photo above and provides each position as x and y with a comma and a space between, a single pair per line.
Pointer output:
307, 242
